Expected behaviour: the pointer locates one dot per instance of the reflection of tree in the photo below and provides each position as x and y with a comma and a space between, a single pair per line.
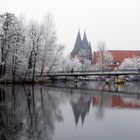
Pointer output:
101, 101
10, 122
80, 104
44, 107
28, 113
100, 111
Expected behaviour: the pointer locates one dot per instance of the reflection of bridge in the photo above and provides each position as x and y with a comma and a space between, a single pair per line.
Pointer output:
93, 91
100, 98
93, 73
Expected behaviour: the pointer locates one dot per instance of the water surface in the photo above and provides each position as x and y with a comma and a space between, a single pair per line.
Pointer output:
70, 111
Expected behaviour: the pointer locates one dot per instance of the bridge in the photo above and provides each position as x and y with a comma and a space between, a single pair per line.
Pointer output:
93, 73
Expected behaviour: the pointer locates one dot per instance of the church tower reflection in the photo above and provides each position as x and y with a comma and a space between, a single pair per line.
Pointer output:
80, 105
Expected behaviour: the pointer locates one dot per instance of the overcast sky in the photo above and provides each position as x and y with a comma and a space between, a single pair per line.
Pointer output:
117, 22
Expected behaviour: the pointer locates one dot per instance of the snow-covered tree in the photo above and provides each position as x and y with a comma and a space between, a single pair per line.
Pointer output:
85, 63
6, 36
11, 40
35, 34
43, 52
105, 57
49, 44
55, 59
68, 63
28, 48
130, 63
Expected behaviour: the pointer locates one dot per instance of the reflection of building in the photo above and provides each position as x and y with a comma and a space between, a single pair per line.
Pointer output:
117, 102
82, 46
80, 105
118, 56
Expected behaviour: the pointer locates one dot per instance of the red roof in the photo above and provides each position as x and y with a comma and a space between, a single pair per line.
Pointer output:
118, 55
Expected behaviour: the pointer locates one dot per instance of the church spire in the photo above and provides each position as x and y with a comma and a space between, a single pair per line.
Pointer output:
78, 44
82, 44
85, 41
75, 112
90, 51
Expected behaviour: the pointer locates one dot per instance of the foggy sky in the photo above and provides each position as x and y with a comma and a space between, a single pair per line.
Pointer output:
117, 22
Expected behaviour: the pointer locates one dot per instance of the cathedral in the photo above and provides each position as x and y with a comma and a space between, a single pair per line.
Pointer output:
82, 46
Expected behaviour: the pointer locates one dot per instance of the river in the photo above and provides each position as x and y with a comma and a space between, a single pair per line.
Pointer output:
70, 111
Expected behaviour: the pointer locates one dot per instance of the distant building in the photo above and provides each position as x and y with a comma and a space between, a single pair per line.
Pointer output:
82, 46
118, 56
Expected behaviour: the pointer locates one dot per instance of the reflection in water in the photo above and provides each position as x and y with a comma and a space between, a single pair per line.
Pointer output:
80, 105
28, 113
32, 112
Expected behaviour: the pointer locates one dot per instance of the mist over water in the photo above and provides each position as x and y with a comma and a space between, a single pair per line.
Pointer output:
74, 111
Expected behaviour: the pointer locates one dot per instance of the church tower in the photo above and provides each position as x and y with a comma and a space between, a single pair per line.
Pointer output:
82, 44
78, 45
85, 42
89, 51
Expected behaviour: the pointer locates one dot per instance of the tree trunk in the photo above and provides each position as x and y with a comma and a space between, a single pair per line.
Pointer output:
34, 66
13, 68
42, 67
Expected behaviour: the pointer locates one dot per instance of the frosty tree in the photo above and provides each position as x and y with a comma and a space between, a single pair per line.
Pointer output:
49, 44
105, 56
11, 42
35, 32
85, 62
130, 63
68, 63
